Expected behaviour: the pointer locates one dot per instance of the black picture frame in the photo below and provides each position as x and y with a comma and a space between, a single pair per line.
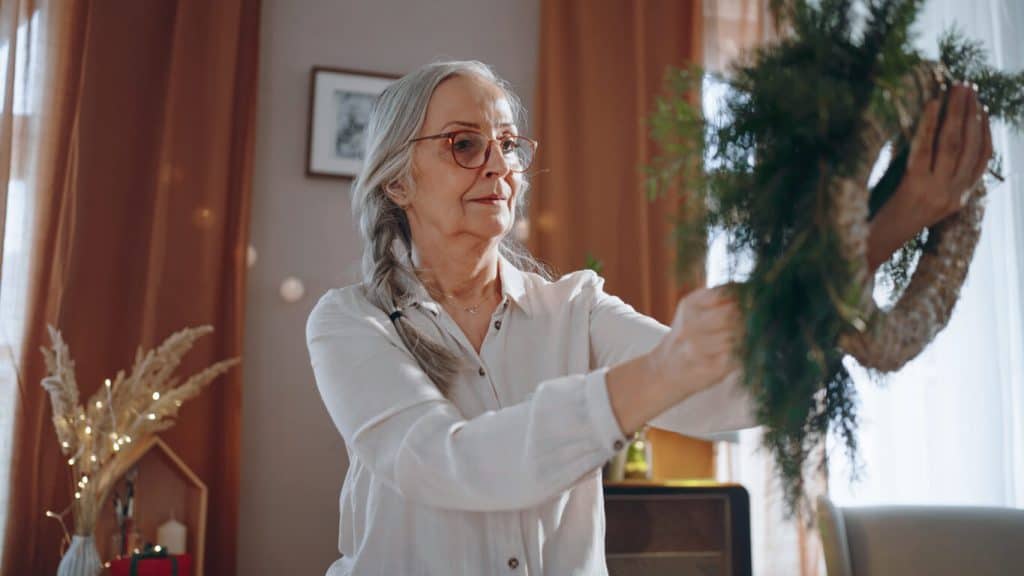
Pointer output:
339, 108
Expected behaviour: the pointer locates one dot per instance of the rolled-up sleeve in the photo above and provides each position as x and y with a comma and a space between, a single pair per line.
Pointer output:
619, 333
408, 434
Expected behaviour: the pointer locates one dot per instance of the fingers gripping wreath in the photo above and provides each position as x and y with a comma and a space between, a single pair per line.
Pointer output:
885, 339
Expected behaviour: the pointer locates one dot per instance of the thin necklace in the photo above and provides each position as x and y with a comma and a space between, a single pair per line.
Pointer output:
471, 309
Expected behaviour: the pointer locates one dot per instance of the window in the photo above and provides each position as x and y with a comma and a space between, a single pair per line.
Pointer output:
16, 229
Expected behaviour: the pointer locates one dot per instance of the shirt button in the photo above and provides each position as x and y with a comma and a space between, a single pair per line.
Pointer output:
513, 563
481, 372
497, 324
618, 445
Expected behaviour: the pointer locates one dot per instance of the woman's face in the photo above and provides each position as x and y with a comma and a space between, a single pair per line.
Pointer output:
449, 203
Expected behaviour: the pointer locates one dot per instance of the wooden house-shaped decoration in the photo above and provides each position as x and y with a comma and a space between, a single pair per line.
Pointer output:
164, 486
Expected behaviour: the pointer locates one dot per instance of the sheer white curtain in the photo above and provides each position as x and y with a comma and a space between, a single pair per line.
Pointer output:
20, 87
949, 427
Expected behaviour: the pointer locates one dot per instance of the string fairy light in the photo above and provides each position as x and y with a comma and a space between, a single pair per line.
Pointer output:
60, 518
110, 404
83, 427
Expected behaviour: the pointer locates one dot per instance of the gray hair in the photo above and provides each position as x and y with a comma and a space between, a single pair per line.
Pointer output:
389, 277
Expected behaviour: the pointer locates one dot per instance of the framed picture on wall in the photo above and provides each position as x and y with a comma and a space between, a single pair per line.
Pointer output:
339, 110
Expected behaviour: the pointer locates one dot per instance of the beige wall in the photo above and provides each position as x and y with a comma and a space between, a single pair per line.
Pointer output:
293, 460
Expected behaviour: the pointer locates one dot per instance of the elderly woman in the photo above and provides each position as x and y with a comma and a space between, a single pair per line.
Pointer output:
478, 397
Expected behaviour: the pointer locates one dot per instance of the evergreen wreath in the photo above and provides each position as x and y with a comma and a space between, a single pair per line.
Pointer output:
783, 173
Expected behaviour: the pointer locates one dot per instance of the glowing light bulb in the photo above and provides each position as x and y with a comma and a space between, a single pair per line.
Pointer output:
156, 395
65, 445
116, 447
93, 457
78, 495
107, 382
88, 429
292, 289
151, 416
85, 480
99, 404
71, 461
128, 439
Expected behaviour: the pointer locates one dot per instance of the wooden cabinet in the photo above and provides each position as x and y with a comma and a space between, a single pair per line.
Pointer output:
677, 528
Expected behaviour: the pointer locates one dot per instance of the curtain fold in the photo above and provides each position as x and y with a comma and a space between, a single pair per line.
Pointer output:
43, 53
601, 66
142, 231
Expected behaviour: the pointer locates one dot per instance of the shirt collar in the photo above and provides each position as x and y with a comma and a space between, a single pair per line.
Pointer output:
513, 287
513, 284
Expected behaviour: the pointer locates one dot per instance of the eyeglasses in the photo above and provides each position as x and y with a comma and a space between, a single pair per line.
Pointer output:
471, 149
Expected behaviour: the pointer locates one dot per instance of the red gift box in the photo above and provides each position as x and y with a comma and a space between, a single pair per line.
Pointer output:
152, 566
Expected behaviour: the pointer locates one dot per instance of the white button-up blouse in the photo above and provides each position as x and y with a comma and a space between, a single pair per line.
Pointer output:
505, 476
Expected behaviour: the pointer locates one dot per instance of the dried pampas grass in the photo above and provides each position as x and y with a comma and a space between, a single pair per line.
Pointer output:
124, 410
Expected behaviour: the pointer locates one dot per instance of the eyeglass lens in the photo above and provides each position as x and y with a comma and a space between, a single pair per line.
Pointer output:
470, 150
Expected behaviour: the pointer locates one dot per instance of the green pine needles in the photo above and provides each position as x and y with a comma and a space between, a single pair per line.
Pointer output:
761, 173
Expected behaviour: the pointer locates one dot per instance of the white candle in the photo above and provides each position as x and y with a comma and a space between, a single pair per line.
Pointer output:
171, 535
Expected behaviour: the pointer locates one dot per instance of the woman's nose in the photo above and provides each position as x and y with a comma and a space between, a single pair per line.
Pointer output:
495, 164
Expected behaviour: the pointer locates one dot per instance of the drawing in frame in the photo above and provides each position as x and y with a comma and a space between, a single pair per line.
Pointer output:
339, 109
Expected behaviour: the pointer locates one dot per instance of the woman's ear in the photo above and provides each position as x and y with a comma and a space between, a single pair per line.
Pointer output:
396, 191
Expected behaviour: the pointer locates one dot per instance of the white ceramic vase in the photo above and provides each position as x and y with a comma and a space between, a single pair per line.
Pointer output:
81, 558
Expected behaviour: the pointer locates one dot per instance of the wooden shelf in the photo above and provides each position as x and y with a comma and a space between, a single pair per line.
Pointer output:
164, 484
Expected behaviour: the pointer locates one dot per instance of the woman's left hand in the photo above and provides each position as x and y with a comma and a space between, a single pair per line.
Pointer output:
947, 158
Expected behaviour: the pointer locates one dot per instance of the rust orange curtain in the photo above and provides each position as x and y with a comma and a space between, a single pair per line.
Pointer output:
602, 65
141, 226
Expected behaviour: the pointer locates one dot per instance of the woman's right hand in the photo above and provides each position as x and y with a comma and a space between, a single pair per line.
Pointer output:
699, 351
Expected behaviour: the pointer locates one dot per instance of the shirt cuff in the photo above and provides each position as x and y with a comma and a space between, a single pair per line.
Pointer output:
599, 407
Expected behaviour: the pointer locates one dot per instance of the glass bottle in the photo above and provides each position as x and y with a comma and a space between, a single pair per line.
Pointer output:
639, 464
